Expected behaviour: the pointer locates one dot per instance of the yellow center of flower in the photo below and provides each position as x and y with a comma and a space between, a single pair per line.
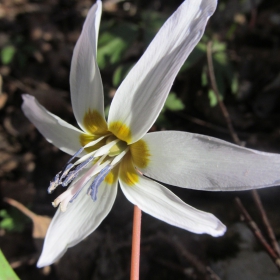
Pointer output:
117, 148
121, 131
87, 138
137, 156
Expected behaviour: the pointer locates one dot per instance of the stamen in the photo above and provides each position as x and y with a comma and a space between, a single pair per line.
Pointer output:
85, 157
72, 193
73, 174
65, 171
92, 190
69, 174
106, 148
75, 155
92, 143
54, 183
89, 174
69, 165
70, 177
119, 157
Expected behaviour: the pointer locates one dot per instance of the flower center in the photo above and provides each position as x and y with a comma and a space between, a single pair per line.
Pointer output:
90, 169
117, 148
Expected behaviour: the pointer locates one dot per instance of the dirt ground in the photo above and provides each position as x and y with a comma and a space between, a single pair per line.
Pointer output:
36, 43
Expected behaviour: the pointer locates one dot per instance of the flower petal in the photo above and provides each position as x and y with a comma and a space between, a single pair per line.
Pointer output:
161, 203
85, 81
205, 163
55, 130
81, 218
141, 96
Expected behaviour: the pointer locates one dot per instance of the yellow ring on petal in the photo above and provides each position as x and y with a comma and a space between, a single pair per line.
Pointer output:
112, 176
94, 123
121, 131
127, 171
140, 153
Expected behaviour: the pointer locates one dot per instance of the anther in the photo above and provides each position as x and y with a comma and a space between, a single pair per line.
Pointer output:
69, 165
54, 183
73, 174
65, 171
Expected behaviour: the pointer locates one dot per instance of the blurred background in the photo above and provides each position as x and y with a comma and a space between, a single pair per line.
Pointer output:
36, 44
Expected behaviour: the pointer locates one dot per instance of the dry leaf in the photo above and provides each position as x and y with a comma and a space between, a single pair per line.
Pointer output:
40, 223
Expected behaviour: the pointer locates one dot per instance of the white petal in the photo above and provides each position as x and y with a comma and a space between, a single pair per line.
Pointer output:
161, 203
85, 81
55, 130
205, 163
81, 218
141, 96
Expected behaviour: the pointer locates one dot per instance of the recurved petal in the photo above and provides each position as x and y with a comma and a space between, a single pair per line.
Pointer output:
205, 163
162, 204
85, 81
58, 132
141, 96
81, 218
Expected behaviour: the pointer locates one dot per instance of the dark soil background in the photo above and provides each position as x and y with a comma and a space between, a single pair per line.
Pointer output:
36, 44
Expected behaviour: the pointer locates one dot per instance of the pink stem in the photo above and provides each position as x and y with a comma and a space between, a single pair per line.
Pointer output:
136, 236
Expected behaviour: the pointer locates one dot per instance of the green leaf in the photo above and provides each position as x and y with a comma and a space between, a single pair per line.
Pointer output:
120, 73
234, 84
204, 79
173, 103
7, 54
6, 272
113, 44
218, 46
13, 220
212, 98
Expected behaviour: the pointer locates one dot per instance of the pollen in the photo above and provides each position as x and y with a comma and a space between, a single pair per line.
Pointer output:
94, 123
127, 172
140, 153
121, 131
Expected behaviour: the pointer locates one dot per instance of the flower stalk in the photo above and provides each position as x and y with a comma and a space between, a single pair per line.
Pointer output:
136, 240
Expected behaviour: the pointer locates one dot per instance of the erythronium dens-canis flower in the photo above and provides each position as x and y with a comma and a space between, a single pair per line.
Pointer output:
121, 150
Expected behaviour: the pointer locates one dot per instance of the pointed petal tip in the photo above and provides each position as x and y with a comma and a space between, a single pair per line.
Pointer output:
41, 264
47, 259
27, 97
219, 230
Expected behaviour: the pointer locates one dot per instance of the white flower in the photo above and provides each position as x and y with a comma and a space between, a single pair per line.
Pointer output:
121, 150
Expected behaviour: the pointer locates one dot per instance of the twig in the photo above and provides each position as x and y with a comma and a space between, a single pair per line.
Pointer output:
192, 259
20, 207
216, 91
255, 229
135, 251
275, 249
254, 14
266, 222
24, 260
